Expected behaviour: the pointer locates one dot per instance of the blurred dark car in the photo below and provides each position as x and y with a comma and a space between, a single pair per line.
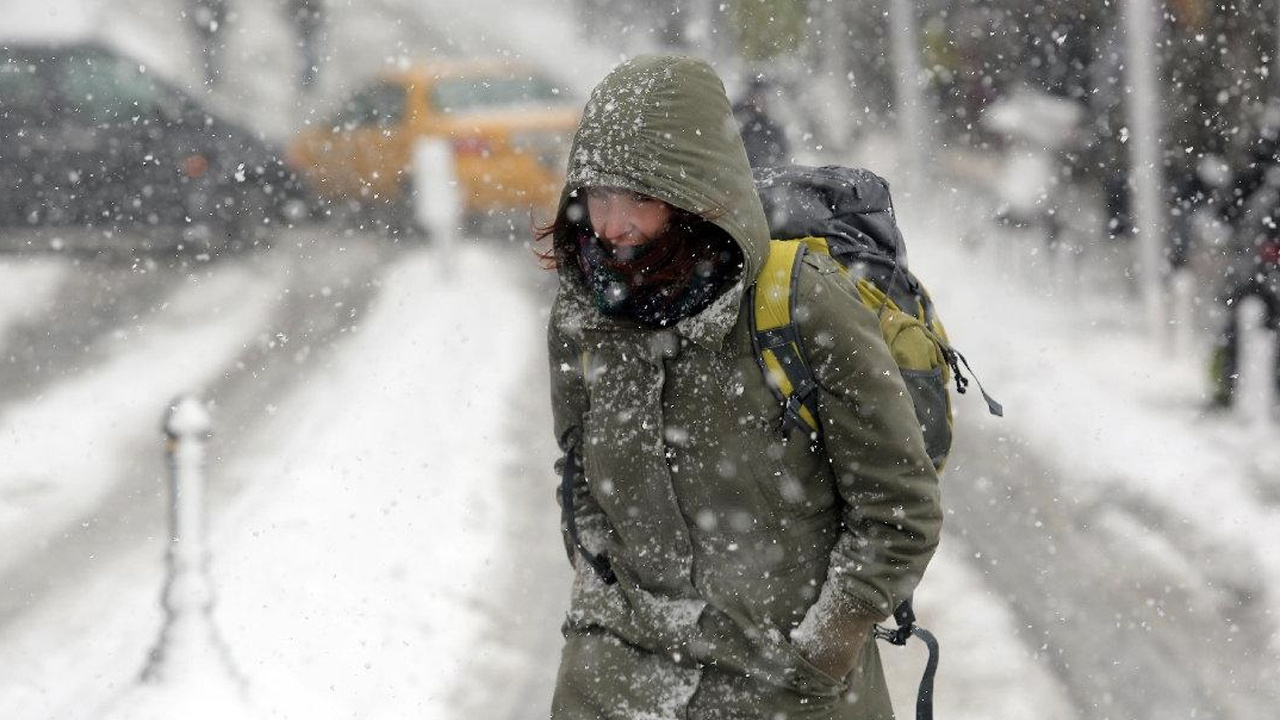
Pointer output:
89, 138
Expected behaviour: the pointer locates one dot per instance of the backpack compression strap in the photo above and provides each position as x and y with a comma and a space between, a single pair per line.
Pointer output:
776, 337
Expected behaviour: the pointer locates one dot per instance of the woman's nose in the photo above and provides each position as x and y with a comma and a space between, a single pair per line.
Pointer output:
612, 224
618, 231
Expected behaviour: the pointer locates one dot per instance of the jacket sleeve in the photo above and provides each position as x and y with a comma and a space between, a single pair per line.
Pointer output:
569, 402
888, 485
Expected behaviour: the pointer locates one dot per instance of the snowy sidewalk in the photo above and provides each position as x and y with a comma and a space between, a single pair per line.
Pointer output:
1094, 392
1185, 505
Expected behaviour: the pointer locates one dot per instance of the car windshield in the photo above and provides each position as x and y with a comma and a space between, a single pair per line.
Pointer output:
472, 94
108, 89
381, 105
20, 86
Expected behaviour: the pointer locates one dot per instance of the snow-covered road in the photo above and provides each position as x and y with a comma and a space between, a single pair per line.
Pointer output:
383, 515
385, 535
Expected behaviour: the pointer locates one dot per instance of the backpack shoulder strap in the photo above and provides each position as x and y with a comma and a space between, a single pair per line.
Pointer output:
776, 339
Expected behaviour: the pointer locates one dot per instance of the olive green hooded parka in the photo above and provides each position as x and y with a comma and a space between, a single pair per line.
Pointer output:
723, 533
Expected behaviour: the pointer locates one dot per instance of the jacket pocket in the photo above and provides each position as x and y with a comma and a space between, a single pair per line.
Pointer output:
922, 362
800, 674
928, 390
793, 478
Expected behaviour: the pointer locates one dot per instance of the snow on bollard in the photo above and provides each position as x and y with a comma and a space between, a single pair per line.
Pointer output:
437, 202
1063, 275
1256, 388
189, 675
1183, 285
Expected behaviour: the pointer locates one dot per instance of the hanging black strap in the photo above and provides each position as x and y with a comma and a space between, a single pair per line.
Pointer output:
924, 699
906, 619
598, 562
954, 358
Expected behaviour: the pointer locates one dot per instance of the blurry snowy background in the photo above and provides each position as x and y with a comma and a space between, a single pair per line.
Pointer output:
1083, 192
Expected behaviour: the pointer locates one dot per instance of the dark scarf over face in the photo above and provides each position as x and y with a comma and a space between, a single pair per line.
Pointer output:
672, 277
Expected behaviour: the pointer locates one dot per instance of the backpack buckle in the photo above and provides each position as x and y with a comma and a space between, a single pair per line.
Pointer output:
898, 636
905, 616
791, 419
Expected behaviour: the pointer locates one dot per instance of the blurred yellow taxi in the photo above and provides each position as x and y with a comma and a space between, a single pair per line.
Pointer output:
509, 129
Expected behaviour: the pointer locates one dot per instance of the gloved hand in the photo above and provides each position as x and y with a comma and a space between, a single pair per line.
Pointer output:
832, 635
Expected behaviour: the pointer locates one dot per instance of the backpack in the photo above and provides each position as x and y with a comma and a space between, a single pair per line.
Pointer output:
847, 214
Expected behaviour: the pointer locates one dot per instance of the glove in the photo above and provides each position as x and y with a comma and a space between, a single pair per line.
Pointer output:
832, 636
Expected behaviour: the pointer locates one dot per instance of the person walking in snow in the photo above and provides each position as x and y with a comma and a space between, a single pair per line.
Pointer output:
1257, 274
208, 19
722, 568
307, 19
765, 140
1252, 210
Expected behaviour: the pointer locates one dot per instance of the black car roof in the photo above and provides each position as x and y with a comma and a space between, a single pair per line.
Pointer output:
44, 51
30, 51
27, 49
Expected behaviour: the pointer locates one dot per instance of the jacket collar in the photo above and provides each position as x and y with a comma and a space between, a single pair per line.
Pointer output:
575, 314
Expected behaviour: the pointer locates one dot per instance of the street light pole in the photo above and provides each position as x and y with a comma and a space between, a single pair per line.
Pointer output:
910, 105
1143, 94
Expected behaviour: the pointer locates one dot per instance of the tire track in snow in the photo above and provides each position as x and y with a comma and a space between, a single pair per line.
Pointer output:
73, 330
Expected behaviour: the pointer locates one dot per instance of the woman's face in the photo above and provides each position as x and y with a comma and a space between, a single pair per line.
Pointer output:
624, 219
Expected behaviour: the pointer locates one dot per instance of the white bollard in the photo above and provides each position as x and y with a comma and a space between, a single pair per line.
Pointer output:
1182, 285
189, 674
1003, 248
1063, 278
1256, 388
437, 202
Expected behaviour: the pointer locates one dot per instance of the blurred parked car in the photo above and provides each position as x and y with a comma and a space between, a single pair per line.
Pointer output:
90, 138
509, 129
